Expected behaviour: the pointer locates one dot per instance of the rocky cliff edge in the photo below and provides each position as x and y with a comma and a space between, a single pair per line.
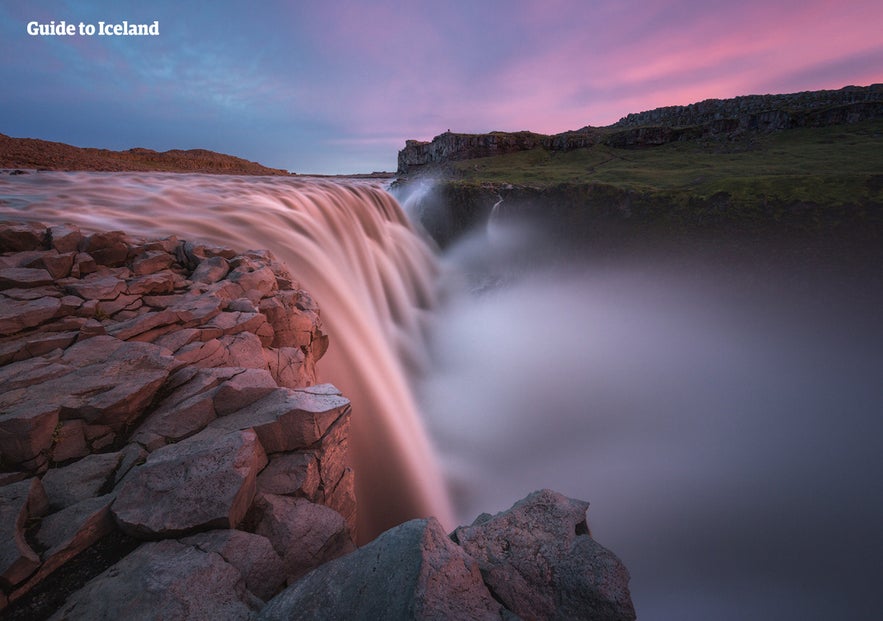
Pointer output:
165, 452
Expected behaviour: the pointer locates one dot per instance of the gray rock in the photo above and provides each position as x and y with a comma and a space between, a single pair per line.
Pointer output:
91, 476
412, 571
67, 533
164, 580
252, 555
303, 533
541, 563
18, 503
206, 481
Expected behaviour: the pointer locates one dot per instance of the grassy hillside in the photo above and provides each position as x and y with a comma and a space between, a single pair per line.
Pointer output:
837, 165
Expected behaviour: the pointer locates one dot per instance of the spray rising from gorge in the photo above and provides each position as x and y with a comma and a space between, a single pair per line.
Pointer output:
720, 409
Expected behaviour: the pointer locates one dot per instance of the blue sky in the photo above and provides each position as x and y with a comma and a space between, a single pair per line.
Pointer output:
337, 87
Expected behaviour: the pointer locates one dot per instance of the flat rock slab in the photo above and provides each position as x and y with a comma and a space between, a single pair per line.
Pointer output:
206, 481
162, 581
18, 315
541, 562
102, 380
287, 419
412, 571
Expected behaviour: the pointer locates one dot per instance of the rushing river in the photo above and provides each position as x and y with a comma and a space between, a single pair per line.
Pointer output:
722, 412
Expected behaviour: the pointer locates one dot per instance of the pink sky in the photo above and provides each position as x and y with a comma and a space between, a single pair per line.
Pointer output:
338, 86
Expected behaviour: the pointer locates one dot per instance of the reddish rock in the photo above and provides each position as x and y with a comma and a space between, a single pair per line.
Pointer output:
243, 389
256, 280
97, 286
151, 262
108, 249
288, 367
65, 237
102, 380
162, 581
125, 330
26, 429
212, 353
252, 555
245, 350
24, 277
21, 236
108, 308
412, 571
291, 474
19, 502
58, 265
69, 441
173, 341
176, 421
152, 284
303, 533
196, 311
35, 344
288, 420
204, 482
84, 264
19, 315
232, 323
210, 270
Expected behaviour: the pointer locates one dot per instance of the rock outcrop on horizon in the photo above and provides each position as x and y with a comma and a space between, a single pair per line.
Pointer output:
32, 153
712, 117
166, 453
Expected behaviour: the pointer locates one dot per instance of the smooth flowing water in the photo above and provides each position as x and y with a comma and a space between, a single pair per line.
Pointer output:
722, 409
349, 244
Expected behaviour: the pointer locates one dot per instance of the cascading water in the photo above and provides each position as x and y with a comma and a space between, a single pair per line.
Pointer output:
720, 410
349, 244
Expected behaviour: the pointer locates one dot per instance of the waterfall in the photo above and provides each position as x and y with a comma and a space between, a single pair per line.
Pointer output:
349, 244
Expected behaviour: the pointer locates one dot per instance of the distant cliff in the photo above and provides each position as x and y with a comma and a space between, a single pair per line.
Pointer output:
712, 117
46, 155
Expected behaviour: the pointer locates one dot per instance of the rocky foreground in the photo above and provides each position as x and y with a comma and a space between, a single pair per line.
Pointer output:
166, 453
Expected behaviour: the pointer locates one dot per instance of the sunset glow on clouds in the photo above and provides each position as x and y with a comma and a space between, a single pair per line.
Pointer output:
339, 86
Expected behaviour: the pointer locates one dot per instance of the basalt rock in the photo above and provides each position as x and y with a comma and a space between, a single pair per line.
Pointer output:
116, 356
144, 394
535, 561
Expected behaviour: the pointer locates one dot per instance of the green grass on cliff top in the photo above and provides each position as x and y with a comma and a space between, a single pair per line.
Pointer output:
832, 165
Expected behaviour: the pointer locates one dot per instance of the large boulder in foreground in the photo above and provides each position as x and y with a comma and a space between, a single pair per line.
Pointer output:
412, 571
160, 581
541, 563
